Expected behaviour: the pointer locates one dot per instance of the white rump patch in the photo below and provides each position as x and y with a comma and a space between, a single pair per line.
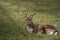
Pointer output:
55, 33
29, 29
51, 33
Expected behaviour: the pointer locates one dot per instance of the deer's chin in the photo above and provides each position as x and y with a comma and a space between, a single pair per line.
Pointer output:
30, 30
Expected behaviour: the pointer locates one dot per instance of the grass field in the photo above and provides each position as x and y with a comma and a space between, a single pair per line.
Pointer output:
13, 25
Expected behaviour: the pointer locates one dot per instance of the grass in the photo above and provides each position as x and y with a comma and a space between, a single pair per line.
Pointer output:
13, 25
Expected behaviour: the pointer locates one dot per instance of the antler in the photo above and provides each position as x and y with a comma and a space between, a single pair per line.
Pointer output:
22, 13
33, 14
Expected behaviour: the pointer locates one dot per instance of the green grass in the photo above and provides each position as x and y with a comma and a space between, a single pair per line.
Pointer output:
13, 25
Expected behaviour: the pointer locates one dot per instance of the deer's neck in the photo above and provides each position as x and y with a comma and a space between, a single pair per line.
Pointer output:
30, 24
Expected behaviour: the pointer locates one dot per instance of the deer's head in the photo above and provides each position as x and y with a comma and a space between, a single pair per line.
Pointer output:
29, 18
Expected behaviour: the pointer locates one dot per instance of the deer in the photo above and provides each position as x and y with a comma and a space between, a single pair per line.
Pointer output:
39, 28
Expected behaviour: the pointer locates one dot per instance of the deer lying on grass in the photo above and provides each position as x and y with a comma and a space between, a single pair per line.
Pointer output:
38, 28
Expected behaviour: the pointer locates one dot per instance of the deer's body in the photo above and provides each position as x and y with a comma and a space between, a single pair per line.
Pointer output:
39, 28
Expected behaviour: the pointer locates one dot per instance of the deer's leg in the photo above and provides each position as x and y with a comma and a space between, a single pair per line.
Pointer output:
35, 30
